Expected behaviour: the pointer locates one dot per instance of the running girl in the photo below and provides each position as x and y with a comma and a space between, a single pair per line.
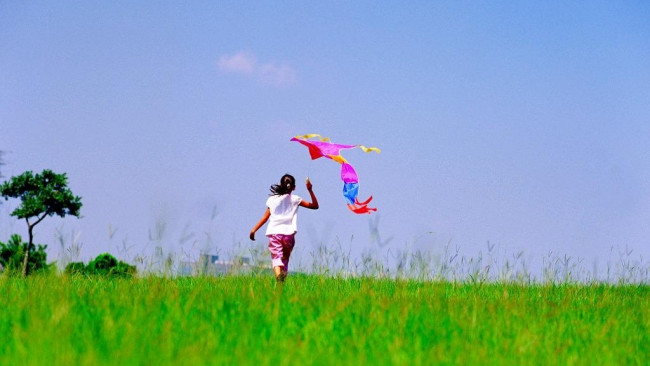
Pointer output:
281, 212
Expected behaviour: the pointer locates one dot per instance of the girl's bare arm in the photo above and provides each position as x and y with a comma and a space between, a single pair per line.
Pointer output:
259, 224
314, 201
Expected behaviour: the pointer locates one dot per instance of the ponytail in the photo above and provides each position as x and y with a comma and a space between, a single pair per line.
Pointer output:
287, 185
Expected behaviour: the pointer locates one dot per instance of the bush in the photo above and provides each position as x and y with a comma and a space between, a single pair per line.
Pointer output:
104, 265
75, 268
12, 255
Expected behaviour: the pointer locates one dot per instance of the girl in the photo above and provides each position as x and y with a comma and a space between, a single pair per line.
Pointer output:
282, 207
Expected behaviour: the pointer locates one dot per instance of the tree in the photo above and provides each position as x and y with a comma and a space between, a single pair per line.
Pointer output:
12, 256
42, 195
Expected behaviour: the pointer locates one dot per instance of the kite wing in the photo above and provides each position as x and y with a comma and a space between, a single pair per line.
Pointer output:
324, 148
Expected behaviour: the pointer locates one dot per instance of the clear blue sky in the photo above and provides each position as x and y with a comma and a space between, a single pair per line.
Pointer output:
525, 124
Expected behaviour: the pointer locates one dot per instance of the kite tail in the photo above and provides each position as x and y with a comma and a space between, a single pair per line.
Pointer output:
351, 191
361, 207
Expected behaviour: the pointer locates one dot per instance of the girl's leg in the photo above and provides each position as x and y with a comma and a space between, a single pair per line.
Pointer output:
280, 273
280, 247
276, 247
287, 247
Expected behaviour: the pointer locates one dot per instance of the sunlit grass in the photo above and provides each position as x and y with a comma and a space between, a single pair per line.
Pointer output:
318, 320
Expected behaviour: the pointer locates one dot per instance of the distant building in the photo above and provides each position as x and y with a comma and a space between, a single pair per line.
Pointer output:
211, 265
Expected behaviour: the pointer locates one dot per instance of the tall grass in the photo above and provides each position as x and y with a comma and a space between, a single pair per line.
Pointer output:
318, 320
164, 252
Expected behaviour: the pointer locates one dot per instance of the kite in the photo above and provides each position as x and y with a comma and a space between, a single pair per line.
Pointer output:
323, 147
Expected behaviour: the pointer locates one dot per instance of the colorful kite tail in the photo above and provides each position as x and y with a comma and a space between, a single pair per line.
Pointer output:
361, 207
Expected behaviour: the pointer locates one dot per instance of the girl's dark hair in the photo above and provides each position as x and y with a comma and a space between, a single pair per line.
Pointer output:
287, 184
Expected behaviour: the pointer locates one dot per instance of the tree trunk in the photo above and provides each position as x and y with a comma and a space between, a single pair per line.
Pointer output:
29, 245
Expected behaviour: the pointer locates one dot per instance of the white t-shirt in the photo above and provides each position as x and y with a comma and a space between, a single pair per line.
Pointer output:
283, 210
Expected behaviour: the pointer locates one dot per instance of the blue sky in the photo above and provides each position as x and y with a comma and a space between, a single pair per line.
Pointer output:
519, 123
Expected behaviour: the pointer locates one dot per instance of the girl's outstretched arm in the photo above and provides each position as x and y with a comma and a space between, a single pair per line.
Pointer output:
314, 202
259, 224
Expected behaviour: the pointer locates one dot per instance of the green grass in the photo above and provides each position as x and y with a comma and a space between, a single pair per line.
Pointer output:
59, 320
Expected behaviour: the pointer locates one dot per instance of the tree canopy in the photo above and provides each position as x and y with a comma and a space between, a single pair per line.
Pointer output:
43, 194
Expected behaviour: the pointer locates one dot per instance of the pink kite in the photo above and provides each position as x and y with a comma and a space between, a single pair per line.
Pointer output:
322, 147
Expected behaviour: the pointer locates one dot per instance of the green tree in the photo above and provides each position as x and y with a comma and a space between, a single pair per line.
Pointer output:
12, 256
42, 195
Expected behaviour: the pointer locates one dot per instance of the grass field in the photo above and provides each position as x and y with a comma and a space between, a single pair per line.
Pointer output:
61, 320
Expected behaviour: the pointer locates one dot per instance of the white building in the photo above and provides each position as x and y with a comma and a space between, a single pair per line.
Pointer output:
211, 265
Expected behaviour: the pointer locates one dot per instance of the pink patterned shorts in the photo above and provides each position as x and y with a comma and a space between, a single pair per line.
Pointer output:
281, 246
